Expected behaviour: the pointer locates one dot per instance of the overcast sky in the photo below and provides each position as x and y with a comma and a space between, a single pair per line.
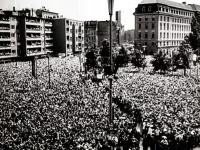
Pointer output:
84, 9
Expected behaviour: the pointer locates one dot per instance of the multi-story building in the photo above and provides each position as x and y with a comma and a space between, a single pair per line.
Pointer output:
24, 34
8, 35
97, 31
69, 36
162, 24
91, 33
129, 36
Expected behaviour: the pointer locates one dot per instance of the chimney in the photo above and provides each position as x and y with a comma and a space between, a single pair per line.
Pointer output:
184, 3
13, 8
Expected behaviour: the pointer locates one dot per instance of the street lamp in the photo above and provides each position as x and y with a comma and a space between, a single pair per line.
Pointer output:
49, 71
110, 9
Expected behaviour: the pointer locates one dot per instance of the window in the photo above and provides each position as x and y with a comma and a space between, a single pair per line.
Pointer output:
153, 26
145, 43
153, 35
140, 19
139, 35
146, 18
70, 30
164, 35
13, 35
68, 38
146, 26
149, 9
139, 26
70, 23
160, 26
152, 43
167, 35
67, 45
153, 18
143, 9
160, 18
167, 19
12, 27
164, 18
146, 35
160, 34
164, 26
168, 26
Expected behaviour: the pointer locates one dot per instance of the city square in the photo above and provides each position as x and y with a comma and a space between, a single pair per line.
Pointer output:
64, 86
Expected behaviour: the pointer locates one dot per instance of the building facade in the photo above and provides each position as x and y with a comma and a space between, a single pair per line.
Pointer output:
97, 31
162, 25
129, 36
91, 33
8, 35
68, 36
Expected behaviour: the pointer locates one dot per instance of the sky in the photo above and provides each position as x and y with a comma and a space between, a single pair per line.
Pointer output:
84, 9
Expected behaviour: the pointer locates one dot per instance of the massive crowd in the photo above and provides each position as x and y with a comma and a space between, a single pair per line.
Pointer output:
73, 112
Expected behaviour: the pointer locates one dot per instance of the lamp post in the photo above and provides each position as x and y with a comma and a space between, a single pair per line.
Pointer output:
49, 71
110, 9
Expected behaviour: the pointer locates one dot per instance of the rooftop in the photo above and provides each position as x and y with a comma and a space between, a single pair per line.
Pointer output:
168, 3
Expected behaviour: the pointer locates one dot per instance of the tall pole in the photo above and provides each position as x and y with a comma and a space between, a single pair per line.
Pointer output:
49, 72
111, 68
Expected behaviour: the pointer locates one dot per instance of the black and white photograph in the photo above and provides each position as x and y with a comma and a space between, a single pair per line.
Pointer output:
99, 75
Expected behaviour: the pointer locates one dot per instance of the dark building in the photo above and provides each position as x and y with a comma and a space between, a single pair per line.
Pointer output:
91, 33
129, 36
68, 36
96, 31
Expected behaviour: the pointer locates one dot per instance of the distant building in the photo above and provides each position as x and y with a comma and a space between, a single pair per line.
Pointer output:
68, 36
91, 33
162, 24
96, 31
129, 36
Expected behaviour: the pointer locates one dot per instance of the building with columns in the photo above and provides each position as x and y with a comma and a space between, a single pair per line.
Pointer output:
162, 24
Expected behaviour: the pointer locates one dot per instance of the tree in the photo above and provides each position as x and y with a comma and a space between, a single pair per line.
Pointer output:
194, 37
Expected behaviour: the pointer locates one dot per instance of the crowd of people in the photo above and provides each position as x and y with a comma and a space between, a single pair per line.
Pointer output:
72, 113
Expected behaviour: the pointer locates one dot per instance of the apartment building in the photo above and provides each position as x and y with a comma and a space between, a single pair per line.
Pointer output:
162, 24
23, 33
8, 35
68, 35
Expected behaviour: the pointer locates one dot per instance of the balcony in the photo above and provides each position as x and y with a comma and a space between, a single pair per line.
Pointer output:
48, 44
5, 47
48, 38
4, 21
5, 39
33, 46
48, 24
33, 39
33, 31
32, 22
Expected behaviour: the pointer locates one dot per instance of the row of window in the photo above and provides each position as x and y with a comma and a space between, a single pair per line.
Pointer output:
147, 26
77, 46
163, 35
172, 35
70, 38
147, 18
76, 23
172, 43
146, 35
76, 30
176, 27
165, 26
175, 11
176, 20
